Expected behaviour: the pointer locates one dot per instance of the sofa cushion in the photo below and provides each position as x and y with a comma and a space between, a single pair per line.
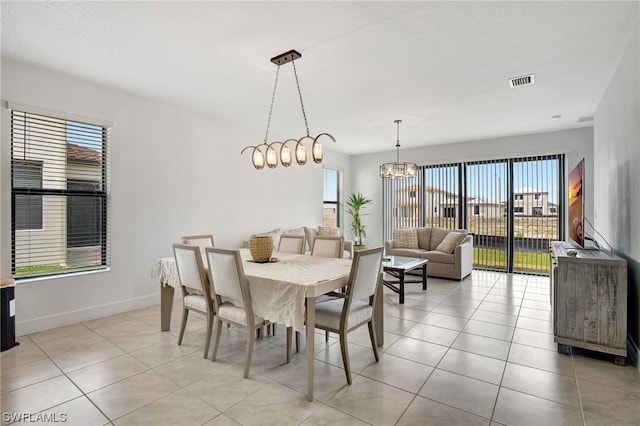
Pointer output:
407, 252
424, 237
405, 238
439, 257
437, 235
294, 231
328, 231
450, 242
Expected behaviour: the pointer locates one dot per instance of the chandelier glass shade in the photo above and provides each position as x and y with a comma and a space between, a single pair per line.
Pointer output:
273, 153
398, 170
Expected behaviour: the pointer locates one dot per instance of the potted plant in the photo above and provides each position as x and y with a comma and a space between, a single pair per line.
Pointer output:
355, 202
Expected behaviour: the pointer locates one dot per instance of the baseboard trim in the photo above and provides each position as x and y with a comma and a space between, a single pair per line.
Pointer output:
72, 317
632, 352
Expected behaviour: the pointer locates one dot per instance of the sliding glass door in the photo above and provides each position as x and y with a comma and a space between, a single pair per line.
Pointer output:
487, 208
511, 206
536, 219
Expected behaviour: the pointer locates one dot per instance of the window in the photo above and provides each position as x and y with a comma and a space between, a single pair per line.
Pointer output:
59, 195
536, 196
449, 211
412, 194
331, 198
493, 200
83, 214
28, 207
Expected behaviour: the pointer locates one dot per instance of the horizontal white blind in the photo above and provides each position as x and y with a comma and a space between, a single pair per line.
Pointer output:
60, 187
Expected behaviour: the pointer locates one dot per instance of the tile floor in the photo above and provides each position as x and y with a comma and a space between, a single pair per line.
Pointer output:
473, 352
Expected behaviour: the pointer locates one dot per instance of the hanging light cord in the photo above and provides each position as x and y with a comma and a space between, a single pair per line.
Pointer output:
273, 97
304, 114
398, 141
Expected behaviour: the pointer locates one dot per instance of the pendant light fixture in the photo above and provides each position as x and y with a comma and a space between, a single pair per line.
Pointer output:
280, 152
398, 170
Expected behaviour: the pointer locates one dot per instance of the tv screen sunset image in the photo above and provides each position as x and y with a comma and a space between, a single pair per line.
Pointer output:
575, 204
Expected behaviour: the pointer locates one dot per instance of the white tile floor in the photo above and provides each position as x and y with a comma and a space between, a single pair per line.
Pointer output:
478, 351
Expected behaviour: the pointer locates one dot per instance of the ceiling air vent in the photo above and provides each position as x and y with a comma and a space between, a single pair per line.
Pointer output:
585, 119
523, 80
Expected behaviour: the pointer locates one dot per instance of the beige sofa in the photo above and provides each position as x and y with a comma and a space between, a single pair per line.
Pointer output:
450, 256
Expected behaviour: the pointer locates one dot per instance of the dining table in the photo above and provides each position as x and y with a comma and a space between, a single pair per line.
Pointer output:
281, 290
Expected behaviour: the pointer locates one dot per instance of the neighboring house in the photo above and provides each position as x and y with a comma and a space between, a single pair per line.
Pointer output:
478, 207
533, 202
73, 221
437, 202
443, 204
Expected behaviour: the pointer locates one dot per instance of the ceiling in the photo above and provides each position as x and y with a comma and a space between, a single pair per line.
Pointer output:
441, 67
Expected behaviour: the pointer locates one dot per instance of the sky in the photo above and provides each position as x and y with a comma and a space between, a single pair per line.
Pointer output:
87, 135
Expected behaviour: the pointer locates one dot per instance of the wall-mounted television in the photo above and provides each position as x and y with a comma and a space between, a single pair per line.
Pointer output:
576, 204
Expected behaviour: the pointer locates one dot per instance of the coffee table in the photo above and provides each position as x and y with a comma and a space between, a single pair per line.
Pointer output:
398, 266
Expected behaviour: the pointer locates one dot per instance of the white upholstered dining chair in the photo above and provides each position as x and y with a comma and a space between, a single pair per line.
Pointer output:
194, 284
233, 300
291, 244
350, 310
200, 241
328, 247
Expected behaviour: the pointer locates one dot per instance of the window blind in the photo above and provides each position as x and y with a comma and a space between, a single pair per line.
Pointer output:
513, 207
59, 195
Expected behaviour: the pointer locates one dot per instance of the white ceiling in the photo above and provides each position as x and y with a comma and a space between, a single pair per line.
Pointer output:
441, 67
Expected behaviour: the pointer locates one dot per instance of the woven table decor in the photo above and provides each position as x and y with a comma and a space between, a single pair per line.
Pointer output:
261, 247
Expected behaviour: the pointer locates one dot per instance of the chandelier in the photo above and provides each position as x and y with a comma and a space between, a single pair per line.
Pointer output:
398, 170
280, 152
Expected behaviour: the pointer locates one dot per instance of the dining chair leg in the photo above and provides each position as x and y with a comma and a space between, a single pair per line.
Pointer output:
207, 344
374, 342
345, 355
216, 342
185, 314
247, 361
326, 336
289, 333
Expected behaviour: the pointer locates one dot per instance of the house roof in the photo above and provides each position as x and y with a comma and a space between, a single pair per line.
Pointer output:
83, 154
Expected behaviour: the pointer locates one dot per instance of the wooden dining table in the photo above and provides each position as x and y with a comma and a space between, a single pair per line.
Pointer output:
281, 290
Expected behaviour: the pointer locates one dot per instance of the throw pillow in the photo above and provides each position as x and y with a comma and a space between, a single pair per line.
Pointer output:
310, 236
328, 231
275, 233
405, 238
450, 242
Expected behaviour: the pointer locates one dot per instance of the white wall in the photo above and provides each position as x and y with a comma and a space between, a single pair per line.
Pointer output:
173, 172
576, 144
617, 171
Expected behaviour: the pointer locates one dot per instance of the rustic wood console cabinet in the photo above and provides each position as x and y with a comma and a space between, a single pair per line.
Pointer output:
589, 299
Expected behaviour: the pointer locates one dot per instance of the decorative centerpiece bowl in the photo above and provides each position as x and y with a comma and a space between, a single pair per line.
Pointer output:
261, 247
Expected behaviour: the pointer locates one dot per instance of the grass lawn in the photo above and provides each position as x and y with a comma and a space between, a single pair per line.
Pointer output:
523, 261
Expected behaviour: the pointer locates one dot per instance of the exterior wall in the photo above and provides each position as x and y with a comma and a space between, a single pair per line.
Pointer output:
529, 202
53, 228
